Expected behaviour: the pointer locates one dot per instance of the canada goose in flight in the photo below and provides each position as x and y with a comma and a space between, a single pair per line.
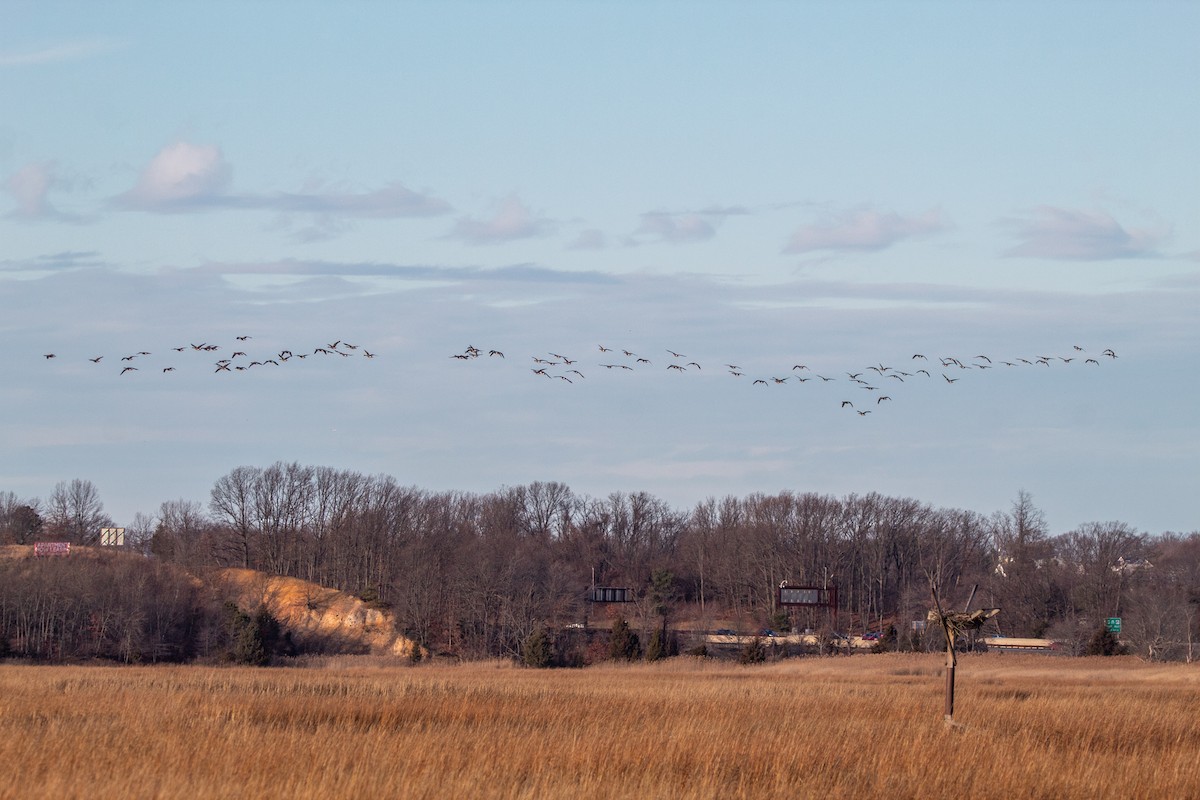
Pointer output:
223, 367
604, 349
242, 338
643, 361
758, 381
881, 398
95, 360
676, 355
923, 371
168, 369
692, 364
129, 369
239, 353
351, 346
577, 372
540, 371
49, 355
563, 378
1077, 347
490, 353
918, 355
949, 380
123, 358
179, 349
459, 356
1109, 353
798, 366
847, 403
733, 366
676, 366
863, 413
616, 366
822, 377
985, 358
736, 374
1091, 361
367, 353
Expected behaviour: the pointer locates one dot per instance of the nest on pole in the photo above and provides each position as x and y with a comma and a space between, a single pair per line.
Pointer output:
956, 622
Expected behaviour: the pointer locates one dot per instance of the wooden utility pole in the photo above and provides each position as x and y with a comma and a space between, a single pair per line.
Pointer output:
952, 624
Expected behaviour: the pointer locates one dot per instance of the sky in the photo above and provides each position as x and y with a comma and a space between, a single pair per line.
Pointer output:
844, 193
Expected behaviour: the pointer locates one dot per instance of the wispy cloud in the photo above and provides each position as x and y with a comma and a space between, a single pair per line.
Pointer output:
53, 262
589, 239
532, 273
185, 177
682, 227
864, 229
673, 228
1068, 235
511, 220
30, 187
54, 53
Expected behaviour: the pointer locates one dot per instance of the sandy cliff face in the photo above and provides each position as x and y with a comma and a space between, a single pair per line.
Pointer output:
317, 617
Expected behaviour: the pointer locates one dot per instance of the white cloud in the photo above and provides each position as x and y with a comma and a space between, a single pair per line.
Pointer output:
186, 177
1063, 234
864, 229
590, 239
181, 176
512, 220
673, 228
30, 187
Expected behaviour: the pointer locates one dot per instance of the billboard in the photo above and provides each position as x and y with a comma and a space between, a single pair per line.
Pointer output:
51, 549
807, 596
112, 537
610, 594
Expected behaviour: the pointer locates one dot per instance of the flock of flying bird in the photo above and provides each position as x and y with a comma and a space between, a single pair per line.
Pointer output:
863, 391
238, 359
873, 379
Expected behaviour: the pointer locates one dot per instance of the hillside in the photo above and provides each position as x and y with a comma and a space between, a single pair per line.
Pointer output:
318, 618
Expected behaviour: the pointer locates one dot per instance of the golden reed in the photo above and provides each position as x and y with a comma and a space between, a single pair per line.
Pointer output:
842, 727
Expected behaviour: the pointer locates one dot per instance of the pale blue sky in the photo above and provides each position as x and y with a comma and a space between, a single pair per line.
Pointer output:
835, 184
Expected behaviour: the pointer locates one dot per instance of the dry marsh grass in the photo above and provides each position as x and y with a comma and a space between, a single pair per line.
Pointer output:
864, 726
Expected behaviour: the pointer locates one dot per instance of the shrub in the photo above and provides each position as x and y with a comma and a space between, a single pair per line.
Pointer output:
623, 642
755, 652
662, 644
1104, 643
538, 649
255, 640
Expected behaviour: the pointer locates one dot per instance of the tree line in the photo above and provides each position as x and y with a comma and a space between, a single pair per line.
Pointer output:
477, 575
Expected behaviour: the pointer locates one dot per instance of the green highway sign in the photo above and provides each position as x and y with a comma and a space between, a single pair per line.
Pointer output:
1113, 624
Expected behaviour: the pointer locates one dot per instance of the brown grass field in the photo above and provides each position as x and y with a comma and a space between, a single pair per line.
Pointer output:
835, 727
